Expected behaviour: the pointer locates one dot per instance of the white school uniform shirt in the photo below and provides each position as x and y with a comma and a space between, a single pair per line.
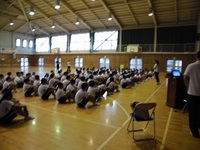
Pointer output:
80, 83
63, 78
70, 88
92, 90
36, 83
80, 95
6, 84
17, 80
111, 85
52, 81
59, 93
66, 83
26, 87
5, 107
102, 87
2, 81
42, 89
123, 81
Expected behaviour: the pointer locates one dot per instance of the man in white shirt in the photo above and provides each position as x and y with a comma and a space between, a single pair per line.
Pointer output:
192, 83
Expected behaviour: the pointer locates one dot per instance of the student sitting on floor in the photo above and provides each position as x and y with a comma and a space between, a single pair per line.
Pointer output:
94, 90
28, 88
61, 95
36, 84
72, 88
44, 90
10, 108
82, 97
112, 86
8, 85
18, 81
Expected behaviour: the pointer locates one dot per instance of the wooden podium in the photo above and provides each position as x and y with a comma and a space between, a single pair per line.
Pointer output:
176, 92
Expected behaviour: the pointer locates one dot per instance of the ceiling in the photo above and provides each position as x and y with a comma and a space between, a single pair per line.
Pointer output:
93, 15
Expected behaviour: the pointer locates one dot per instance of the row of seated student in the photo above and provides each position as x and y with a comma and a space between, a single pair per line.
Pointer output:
64, 86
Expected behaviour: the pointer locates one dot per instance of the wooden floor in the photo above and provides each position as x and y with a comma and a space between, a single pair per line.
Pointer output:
66, 127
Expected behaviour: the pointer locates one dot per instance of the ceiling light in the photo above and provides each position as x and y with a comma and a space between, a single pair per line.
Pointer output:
150, 13
11, 23
77, 22
57, 5
33, 29
31, 12
53, 26
109, 18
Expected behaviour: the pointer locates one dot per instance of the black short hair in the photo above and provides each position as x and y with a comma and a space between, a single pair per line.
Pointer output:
43, 80
84, 85
60, 84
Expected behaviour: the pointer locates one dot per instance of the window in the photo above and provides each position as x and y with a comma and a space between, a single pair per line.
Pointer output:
30, 44
80, 42
105, 40
42, 44
24, 43
18, 43
136, 63
24, 62
78, 62
59, 42
174, 64
41, 61
104, 62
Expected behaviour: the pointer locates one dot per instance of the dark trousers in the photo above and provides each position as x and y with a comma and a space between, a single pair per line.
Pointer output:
194, 113
157, 77
83, 102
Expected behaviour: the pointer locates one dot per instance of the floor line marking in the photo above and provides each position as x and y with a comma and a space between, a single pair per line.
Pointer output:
154, 92
166, 129
72, 116
112, 135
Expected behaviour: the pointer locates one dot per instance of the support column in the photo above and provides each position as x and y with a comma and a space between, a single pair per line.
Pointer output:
198, 34
155, 39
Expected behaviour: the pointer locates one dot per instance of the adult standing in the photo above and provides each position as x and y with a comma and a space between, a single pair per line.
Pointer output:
156, 71
57, 63
192, 83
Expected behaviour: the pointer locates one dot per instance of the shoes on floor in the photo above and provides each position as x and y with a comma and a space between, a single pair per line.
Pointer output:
29, 118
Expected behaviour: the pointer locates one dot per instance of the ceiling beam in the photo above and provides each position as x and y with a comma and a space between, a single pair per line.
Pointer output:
27, 20
46, 16
111, 13
76, 15
93, 13
131, 12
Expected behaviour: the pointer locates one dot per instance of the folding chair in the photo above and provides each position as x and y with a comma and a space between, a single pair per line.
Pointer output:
184, 107
142, 112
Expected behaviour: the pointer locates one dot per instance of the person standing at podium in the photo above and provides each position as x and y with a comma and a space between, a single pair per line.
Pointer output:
156, 71
192, 83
